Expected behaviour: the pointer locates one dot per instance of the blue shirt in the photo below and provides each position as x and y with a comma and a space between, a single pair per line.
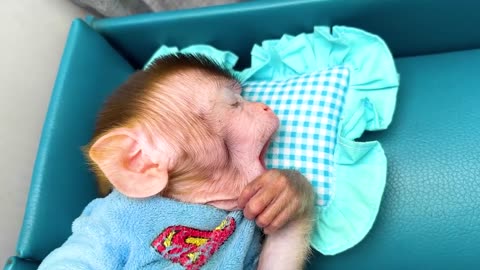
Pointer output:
117, 232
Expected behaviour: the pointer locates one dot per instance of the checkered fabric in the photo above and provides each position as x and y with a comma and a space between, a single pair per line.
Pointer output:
309, 108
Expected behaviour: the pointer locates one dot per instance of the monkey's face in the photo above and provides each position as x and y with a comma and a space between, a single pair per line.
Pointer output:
246, 127
233, 153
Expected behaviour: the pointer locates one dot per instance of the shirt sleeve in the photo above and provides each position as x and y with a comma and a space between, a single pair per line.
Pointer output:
92, 245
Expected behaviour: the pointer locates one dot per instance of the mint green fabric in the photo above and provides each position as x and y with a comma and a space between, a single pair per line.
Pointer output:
360, 167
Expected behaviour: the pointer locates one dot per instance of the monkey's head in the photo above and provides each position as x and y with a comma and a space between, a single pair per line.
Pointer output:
181, 129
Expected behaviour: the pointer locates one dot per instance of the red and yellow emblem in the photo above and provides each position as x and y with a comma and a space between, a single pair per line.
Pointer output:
192, 247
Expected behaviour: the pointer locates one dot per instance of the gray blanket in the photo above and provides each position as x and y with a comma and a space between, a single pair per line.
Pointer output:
115, 8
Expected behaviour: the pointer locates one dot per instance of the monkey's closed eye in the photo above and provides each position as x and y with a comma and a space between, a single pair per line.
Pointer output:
236, 104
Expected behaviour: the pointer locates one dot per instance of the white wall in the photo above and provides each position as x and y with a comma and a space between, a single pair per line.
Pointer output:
33, 34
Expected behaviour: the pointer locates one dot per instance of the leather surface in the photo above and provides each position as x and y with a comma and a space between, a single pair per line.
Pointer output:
15, 263
61, 184
410, 27
429, 218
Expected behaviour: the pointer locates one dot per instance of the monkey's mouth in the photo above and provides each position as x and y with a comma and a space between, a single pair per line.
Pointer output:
263, 153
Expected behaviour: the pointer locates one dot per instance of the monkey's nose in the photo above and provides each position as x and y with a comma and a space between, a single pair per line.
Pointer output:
264, 107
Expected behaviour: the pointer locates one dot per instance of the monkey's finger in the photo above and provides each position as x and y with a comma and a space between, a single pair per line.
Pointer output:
273, 209
278, 223
247, 193
257, 204
250, 190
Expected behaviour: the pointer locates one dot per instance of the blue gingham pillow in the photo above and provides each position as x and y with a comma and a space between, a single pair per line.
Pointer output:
309, 108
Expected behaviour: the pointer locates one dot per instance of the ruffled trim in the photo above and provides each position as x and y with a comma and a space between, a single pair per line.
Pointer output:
360, 168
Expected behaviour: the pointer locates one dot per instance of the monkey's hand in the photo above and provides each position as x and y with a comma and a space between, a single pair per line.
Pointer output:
275, 198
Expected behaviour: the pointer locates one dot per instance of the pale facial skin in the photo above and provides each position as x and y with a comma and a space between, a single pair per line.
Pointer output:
192, 137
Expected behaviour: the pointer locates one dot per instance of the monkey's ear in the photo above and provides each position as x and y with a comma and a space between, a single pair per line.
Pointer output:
123, 158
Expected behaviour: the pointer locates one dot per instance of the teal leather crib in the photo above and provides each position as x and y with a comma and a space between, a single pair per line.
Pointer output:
430, 214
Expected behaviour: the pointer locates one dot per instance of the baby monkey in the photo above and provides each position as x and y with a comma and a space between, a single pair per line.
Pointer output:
179, 157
